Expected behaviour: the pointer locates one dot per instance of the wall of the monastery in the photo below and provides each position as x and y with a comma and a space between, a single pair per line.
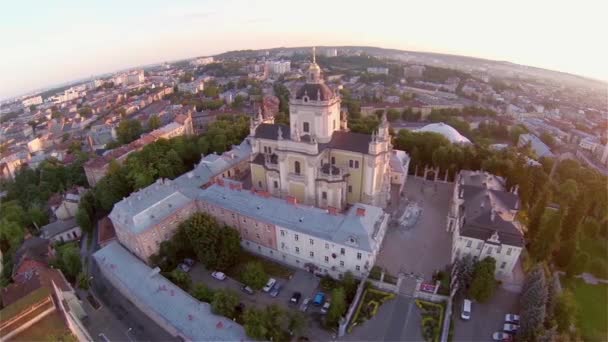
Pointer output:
506, 256
327, 255
298, 191
148, 242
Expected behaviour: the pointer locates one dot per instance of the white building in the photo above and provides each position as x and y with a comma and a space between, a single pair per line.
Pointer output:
202, 61
191, 87
447, 131
378, 70
135, 77
32, 101
482, 220
278, 67
331, 52
589, 144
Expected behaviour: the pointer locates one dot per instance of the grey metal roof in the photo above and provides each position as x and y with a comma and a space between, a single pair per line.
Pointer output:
310, 220
350, 141
483, 194
270, 131
193, 319
58, 227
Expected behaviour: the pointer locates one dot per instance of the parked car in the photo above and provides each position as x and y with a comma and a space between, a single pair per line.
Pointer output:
510, 328
218, 275
512, 318
184, 267
305, 304
501, 336
189, 262
295, 297
325, 307
319, 299
247, 289
269, 284
276, 290
466, 310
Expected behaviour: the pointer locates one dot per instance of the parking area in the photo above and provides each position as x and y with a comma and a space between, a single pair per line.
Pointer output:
301, 281
425, 246
486, 318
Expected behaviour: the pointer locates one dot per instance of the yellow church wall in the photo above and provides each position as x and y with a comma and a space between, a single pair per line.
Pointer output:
297, 190
356, 175
258, 176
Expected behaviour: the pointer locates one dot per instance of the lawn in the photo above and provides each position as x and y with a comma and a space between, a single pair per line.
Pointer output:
273, 269
593, 311
598, 251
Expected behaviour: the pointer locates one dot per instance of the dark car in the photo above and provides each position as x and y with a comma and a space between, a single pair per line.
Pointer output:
276, 290
247, 289
295, 298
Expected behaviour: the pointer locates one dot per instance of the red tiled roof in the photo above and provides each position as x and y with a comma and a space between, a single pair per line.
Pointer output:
106, 232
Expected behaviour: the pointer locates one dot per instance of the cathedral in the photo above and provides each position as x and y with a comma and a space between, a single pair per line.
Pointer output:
316, 159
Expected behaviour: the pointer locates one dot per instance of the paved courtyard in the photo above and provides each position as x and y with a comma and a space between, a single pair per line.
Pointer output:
425, 247
397, 320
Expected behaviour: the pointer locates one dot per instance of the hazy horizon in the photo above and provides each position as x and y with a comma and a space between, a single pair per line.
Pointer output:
56, 43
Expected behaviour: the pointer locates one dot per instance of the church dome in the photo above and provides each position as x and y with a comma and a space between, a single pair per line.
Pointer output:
447, 131
315, 92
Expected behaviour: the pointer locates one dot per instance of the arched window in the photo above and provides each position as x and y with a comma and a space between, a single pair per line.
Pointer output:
306, 127
296, 167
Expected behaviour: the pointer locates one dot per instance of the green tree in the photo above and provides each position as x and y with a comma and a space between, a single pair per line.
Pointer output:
216, 247
254, 275
548, 237
203, 293
296, 323
37, 216
68, 260
578, 264
83, 220
465, 267
483, 283
11, 236
265, 324
565, 311
536, 214
392, 115
181, 279
350, 285
548, 139
337, 309
533, 301
128, 130
224, 302
153, 122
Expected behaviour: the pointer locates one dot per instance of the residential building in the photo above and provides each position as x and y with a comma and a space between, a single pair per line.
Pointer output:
32, 101
62, 230
482, 219
136, 77
10, 164
316, 159
202, 61
278, 67
540, 148
166, 304
378, 70
331, 52
33, 254
192, 87
413, 71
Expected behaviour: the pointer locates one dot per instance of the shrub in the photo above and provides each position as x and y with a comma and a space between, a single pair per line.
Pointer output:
375, 273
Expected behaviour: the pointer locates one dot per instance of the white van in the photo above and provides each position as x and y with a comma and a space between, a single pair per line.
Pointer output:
466, 310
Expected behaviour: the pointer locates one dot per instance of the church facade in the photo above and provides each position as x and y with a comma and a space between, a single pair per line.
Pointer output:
316, 159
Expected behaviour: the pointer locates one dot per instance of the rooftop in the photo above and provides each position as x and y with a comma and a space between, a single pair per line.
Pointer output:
58, 227
193, 319
447, 131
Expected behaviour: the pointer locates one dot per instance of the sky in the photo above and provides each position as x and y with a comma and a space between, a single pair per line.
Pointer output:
50, 42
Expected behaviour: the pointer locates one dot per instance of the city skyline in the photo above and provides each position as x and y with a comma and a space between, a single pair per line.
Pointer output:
49, 45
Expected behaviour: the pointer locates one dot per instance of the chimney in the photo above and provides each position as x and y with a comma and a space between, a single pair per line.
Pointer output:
360, 211
292, 200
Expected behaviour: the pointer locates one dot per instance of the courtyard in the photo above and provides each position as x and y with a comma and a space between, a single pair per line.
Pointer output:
419, 245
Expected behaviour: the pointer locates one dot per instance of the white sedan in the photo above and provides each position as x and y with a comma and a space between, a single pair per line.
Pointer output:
510, 328
512, 318
218, 275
